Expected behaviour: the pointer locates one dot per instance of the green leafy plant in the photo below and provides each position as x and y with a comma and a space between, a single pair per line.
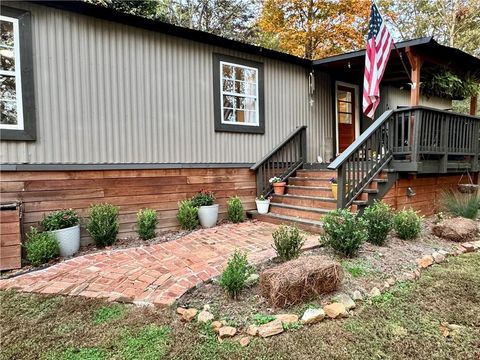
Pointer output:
146, 221
103, 224
150, 343
379, 219
235, 274
292, 326
108, 313
203, 198
287, 242
235, 210
41, 247
443, 83
187, 215
60, 219
407, 224
458, 204
344, 232
261, 319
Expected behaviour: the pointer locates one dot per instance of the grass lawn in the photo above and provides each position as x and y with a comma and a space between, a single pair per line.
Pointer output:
401, 324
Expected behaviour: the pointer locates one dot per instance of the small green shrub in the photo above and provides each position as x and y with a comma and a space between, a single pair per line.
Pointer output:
407, 224
203, 198
379, 219
41, 247
146, 221
261, 319
187, 215
458, 204
235, 274
235, 210
287, 242
60, 219
103, 224
344, 232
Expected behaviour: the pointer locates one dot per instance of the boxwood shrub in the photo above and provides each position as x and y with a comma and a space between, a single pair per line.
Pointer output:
103, 224
41, 247
379, 220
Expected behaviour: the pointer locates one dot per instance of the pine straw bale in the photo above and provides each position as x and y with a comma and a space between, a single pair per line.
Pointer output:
300, 280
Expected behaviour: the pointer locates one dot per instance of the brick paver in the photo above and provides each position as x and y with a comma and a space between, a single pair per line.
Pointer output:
157, 274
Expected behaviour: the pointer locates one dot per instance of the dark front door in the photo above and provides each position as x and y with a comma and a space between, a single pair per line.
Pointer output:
345, 116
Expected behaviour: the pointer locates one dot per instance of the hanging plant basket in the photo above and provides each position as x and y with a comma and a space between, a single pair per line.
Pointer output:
468, 188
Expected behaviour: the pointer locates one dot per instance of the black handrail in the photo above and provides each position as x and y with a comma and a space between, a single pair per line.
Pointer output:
282, 161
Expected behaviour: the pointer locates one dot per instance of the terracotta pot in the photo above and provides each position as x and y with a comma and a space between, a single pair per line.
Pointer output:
279, 188
334, 190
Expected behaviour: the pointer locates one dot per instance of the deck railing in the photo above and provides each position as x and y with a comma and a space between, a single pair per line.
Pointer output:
411, 135
282, 161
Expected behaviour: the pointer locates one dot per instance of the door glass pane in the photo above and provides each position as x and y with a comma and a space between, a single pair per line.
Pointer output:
345, 107
7, 87
344, 118
8, 110
344, 95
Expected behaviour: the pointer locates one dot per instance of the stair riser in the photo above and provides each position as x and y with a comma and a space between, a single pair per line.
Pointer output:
310, 228
317, 174
309, 182
303, 214
313, 203
310, 192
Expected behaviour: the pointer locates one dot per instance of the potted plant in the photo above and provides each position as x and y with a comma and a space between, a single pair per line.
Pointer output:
263, 203
278, 185
333, 184
64, 225
207, 209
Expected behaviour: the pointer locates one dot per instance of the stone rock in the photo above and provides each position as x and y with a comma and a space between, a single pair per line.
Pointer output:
335, 310
312, 316
357, 295
252, 280
216, 325
287, 318
252, 330
409, 276
226, 331
244, 341
375, 292
456, 229
346, 300
468, 247
206, 307
391, 281
189, 314
205, 316
438, 257
181, 310
417, 273
425, 261
271, 328
476, 245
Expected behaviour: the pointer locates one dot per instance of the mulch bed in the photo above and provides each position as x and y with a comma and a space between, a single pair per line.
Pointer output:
376, 264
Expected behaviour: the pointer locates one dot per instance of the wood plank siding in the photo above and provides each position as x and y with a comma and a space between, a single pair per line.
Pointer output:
108, 93
130, 190
10, 239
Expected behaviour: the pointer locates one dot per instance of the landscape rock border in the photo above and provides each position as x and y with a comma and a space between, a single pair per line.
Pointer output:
341, 308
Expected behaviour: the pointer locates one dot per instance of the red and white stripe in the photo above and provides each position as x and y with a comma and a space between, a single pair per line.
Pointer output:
376, 57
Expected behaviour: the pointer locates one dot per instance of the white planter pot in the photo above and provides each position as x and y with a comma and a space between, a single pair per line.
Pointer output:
262, 206
68, 240
208, 215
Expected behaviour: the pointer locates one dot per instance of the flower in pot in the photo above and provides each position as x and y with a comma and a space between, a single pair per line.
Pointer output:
278, 185
333, 184
263, 203
65, 227
207, 209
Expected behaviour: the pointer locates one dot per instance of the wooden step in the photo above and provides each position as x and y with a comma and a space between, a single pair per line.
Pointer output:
370, 191
317, 173
302, 212
308, 181
306, 201
322, 191
312, 226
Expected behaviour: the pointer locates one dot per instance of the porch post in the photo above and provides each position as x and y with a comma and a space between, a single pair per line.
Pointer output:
416, 63
473, 105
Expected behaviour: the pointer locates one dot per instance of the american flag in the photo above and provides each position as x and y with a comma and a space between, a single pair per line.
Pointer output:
379, 45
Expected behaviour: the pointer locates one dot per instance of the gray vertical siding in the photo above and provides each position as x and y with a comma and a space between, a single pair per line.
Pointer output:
111, 93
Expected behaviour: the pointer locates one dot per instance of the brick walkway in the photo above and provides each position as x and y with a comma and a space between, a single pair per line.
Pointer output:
157, 274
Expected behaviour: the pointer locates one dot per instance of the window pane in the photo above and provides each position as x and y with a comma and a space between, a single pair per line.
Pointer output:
250, 75
345, 118
240, 116
250, 104
251, 89
6, 33
251, 117
240, 87
345, 107
228, 85
240, 103
239, 73
228, 101
344, 95
228, 115
227, 71
7, 87
8, 111
7, 60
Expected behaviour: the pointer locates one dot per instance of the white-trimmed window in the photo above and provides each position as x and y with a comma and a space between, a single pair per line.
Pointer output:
239, 88
238, 95
10, 75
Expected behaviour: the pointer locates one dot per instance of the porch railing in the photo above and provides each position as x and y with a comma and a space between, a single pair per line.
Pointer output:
411, 135
282, 161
